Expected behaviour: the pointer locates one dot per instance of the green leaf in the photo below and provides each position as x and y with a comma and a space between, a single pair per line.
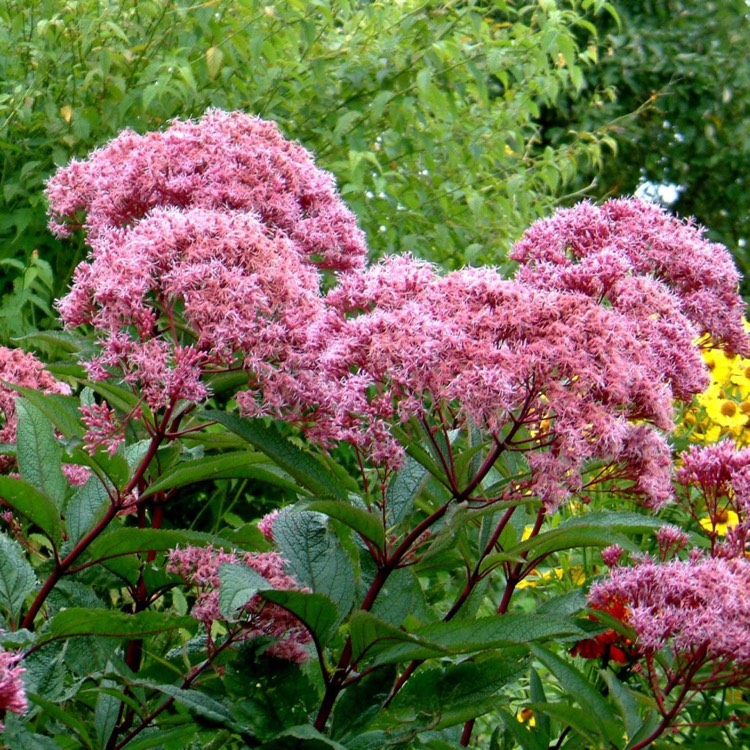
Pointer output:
364, 523
198, 702
34, 505
580, 690
238, 585
303, 736
235, 465
104, 622
66, 718
106, 712
527, 740
403, 490
451, 694
17, 578
625, 700
367, 631
462, 637
301, 465
316, 611
128, 541
315, 556
86, 507
61, 410
39, 453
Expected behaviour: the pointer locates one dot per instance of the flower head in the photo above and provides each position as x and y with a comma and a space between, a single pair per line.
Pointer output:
12, 692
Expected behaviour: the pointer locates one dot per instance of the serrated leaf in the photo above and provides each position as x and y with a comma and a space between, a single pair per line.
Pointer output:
303, 466
238, 585
61, 410
403, 490
85, 508
234, 465
194, 700
17, 578
625, 700
358, 519
315, 556
39, 453
451, 694
367, 632
104, 622
34, 505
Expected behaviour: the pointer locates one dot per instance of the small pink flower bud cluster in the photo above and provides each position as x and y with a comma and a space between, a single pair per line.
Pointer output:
12, 692
200, 567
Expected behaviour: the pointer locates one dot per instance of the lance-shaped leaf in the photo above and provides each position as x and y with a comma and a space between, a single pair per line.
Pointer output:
316, 611
463, 637
104, 622
17, 578
300, 464
360, 520
61, 410
234, 465
369, 633
127, 541
86, 507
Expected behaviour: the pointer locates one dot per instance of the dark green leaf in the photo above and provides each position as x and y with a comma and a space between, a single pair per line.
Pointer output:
194, 700
234, 465
316, 611
126, 541
580, 690
61, 410
17, 578
86, 507
403, 490
34, 505
364, 523
104, 622
300, 464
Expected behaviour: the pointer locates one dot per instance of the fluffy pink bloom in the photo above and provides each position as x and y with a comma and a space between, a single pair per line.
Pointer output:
226, 162
700, 608
200, 567
570, 376
206, 244
24, 369
12, 692
603, 250
103, 429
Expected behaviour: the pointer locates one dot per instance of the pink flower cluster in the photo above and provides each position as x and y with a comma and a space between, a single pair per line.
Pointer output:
24, 369
699, 607
206, 242
200, 567
12, 692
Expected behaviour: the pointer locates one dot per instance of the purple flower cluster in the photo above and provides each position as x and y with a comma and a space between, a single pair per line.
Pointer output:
700, 608
200, 567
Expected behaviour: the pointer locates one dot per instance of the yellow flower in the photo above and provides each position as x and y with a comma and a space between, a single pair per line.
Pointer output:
723, 411
536, 577
725, 520
526, 716
720, 365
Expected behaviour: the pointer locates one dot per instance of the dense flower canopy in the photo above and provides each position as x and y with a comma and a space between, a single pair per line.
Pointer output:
207, 243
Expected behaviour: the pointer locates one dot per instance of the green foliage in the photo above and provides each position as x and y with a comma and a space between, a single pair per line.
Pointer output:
424, 112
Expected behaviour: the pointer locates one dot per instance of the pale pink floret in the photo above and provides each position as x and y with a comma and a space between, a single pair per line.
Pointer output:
693, 606
200, 567
265, 525
24, 369
12, 691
